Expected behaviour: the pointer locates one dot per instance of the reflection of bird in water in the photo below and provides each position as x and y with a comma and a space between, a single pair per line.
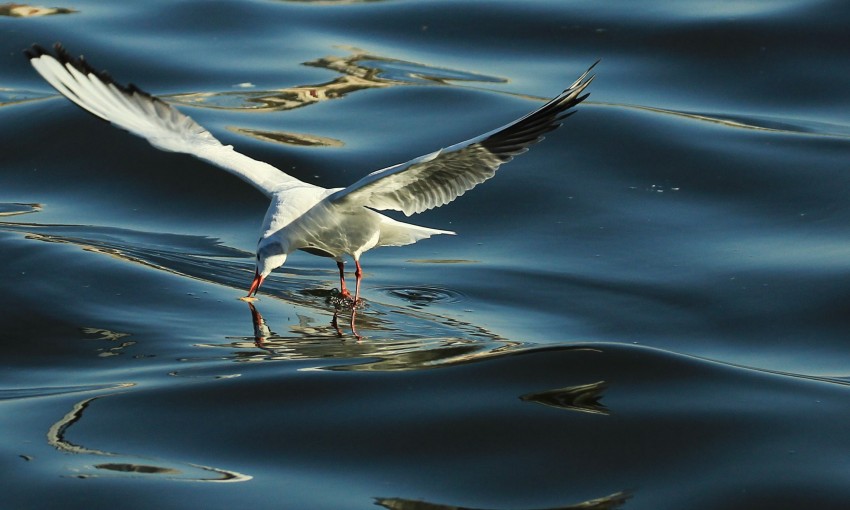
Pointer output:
261, 329
326, 222
262, 332
319, 340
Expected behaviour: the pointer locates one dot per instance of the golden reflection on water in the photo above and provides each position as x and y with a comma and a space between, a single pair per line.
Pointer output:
29, 11
116, 348
361, 70
357, 72
14, 209
300, 139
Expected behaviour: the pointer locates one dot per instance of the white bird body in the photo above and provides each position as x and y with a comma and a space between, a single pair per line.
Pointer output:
302, 216
305, 219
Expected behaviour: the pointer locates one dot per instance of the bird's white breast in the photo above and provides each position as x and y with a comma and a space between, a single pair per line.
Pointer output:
301, 218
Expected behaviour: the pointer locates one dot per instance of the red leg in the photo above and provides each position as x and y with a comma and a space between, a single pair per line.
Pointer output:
358, 274
353, 328
335, 324
342, 289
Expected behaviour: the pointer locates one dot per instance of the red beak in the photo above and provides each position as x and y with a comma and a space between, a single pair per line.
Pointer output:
255, 285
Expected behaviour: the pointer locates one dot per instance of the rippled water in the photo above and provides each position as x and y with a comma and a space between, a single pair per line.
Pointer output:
648, 310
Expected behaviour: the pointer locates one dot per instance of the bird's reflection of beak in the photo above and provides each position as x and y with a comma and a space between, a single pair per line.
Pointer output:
255, 285
261, 329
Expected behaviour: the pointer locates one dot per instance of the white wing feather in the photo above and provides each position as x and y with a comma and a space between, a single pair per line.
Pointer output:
440, 177
151, 118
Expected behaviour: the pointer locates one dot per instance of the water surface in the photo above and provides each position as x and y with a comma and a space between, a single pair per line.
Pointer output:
647, 310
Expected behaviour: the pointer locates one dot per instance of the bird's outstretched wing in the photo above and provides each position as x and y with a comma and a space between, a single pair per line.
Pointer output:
149, 117
440, 177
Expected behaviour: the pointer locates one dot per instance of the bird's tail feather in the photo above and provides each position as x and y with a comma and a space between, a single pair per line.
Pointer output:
396, 233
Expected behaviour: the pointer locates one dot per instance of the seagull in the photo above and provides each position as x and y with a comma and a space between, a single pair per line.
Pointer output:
334, 222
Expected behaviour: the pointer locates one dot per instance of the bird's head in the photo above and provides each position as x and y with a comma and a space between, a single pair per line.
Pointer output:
270, 255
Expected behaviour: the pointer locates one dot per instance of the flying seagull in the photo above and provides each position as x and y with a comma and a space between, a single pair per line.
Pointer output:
327, 222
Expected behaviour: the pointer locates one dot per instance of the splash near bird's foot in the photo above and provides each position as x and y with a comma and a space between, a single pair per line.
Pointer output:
248, 299
345, 299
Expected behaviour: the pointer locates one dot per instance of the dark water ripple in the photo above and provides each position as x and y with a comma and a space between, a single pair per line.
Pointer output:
649, 310
420, 297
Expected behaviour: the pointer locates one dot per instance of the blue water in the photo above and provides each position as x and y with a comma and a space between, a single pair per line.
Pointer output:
648, 310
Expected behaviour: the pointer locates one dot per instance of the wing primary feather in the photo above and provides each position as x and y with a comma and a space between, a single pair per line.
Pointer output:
531, 128
440, 177
145, 115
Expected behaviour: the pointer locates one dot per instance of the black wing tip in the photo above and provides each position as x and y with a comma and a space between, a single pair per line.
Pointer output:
60, 50
80, 64
60, 54
35, 51
519, 136
581, 83
582, 97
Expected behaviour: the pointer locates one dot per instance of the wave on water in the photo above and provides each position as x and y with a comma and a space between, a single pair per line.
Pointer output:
774, 124
395, 332
85, 461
